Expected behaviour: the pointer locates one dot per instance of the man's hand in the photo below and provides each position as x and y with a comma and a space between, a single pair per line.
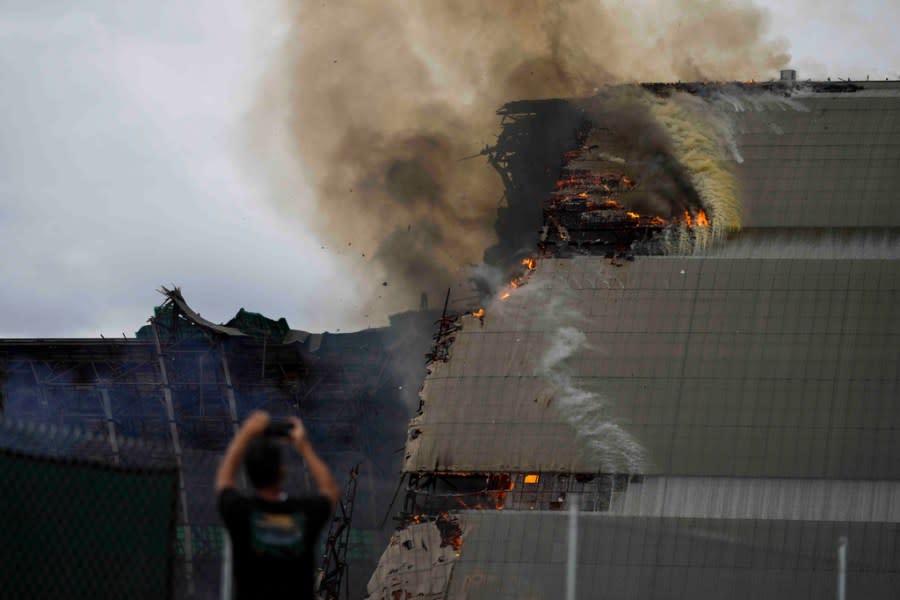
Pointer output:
298, 433
253, 426
319, 471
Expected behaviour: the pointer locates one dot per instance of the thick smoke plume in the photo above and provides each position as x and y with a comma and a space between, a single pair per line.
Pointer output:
379, 103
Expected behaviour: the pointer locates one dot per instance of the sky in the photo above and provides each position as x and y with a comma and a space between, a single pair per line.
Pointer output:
125, 163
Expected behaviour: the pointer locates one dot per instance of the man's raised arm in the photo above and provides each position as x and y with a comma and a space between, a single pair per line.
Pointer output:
254, 426
318, 469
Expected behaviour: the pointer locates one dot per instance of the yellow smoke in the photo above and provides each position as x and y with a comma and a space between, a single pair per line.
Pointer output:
699, 135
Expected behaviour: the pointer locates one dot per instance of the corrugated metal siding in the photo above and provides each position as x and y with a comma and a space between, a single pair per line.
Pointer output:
762, 498
779, 368
523, 555
835, 165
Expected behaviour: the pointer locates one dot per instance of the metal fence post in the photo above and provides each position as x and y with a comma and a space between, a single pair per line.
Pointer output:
842, 568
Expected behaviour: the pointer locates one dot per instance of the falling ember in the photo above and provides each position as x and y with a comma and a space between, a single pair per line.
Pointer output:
504, 295
529, 263
479, 314
515, 283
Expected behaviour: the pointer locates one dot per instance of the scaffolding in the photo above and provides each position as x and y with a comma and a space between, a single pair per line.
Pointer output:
334, 562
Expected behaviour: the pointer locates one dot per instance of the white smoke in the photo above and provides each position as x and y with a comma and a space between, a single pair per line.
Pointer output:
602, 440
738, 100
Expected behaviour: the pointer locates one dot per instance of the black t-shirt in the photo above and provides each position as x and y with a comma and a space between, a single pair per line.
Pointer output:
273, 543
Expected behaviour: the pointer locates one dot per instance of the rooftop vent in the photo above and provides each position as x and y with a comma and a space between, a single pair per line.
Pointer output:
788, 75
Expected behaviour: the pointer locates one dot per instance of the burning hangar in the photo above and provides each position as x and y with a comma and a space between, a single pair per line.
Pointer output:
687, 385
653, 408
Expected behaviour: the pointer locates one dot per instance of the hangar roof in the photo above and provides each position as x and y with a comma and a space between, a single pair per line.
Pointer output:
714, 366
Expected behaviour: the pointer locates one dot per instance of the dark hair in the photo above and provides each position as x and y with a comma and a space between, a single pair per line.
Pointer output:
263, 462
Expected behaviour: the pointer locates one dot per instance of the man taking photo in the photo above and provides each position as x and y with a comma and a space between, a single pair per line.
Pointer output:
273, 537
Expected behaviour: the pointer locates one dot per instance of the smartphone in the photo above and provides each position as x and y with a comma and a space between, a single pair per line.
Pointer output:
279, 429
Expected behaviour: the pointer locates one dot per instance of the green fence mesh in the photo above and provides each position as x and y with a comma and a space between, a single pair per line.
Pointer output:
81, 529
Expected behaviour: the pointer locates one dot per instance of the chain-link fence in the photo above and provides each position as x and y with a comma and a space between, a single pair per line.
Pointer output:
75, 526
93, 515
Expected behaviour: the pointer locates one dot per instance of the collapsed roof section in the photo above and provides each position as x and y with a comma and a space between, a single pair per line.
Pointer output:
179, 321
672, 168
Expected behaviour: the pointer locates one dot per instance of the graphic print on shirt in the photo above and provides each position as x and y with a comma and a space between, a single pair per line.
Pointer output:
277, 535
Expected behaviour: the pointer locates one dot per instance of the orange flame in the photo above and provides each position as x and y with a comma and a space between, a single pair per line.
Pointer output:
633, 215
530, 263
479, 314
504, 295
698, 220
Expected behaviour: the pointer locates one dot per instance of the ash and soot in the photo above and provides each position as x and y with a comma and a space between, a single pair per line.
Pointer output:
377, 106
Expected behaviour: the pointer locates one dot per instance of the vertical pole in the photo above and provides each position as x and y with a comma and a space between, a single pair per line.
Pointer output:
176, 446
107, 413
226, 584
842, 568
227, 555
572, 554
262, 373
446, 303
229, 391
42, 394
110, 425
